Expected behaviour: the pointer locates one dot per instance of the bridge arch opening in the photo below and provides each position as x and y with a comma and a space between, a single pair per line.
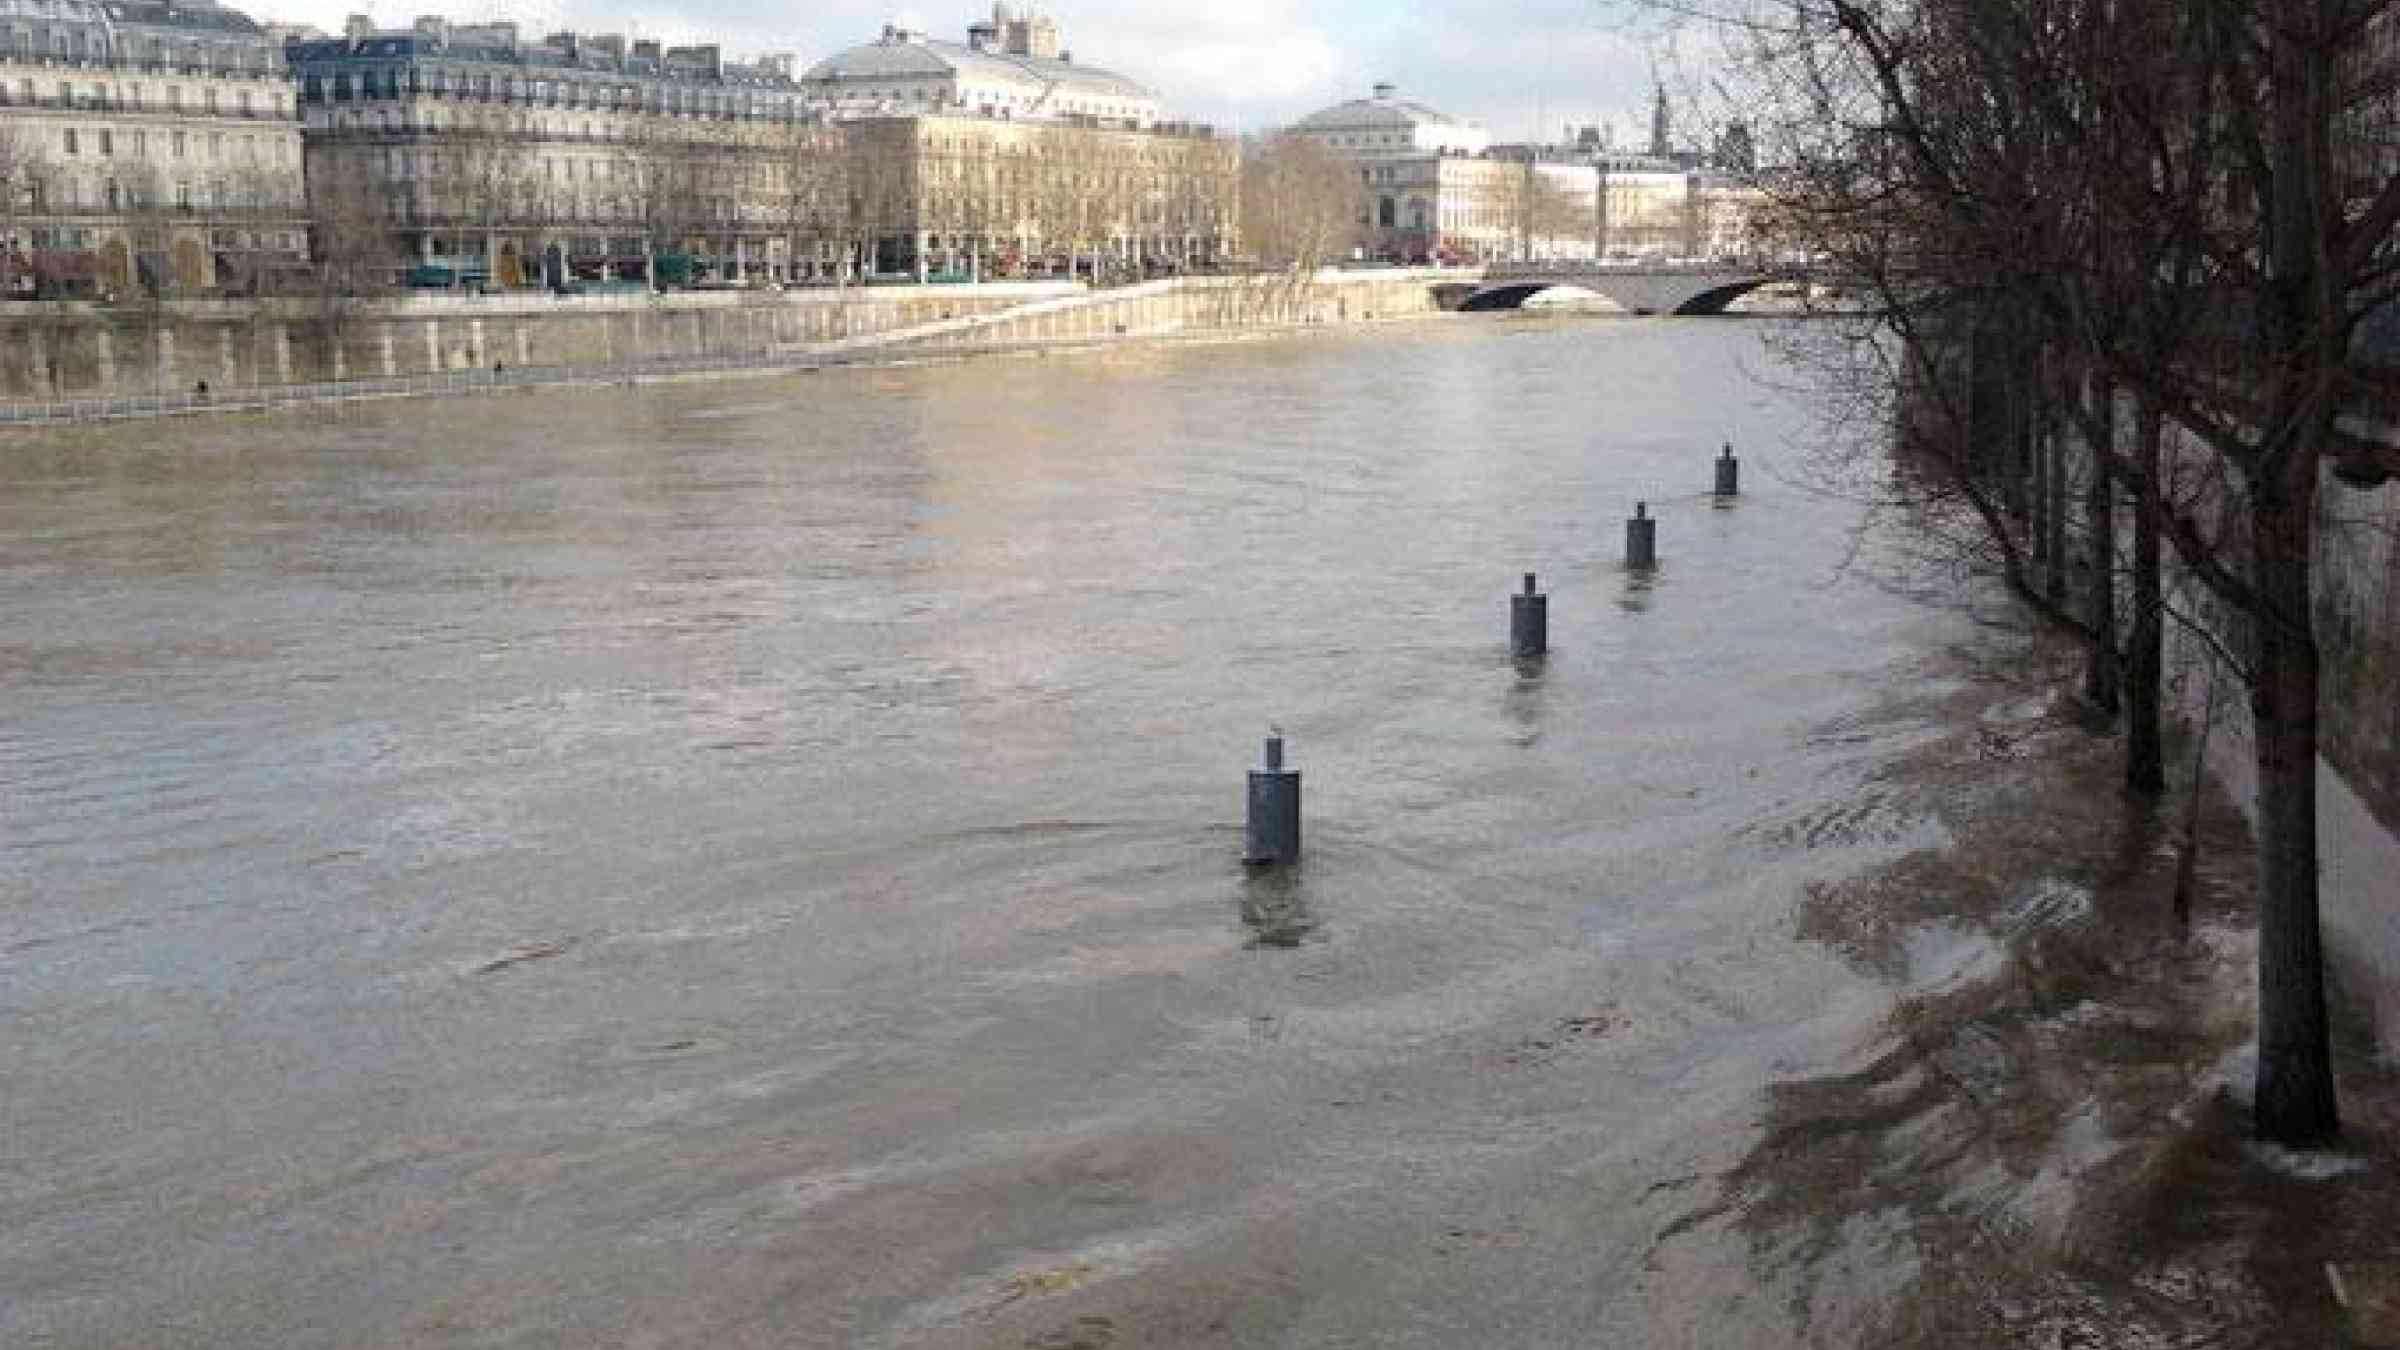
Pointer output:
1715, 300
1634, 292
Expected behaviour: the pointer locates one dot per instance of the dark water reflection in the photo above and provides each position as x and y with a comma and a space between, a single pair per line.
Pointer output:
754, 863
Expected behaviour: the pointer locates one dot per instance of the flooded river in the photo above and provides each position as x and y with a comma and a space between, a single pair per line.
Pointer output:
756, 863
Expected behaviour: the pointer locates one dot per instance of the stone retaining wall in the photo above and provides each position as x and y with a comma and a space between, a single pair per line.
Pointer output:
70, 350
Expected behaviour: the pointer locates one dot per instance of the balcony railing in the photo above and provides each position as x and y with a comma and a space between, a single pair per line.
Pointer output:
275, 73
111, 104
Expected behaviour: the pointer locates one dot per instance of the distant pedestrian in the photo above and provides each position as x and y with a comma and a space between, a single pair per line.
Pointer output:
200, 391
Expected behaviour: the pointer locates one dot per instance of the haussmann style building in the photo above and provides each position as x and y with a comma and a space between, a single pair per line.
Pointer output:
1437, 188
494, 159
146, 147
1003, 155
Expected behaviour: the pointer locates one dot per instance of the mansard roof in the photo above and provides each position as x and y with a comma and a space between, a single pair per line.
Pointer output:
54, 11
1383, 110
183, 14
535, 58
901, 58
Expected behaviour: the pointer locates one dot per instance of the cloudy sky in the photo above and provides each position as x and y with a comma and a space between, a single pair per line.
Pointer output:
1517, 66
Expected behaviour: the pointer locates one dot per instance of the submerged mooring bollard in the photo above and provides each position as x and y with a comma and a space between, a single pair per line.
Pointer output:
1529, 621
1729, 473
1272, 832
1641, 538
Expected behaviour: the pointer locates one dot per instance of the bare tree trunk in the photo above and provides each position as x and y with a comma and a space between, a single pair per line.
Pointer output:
2145, 755
2019, 491
2053, 449
2101, 678
2296, 1104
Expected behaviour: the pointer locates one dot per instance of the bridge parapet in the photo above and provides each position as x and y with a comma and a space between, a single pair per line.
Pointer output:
1640, 288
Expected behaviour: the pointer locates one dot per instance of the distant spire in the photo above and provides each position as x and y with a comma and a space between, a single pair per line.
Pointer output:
1660, 143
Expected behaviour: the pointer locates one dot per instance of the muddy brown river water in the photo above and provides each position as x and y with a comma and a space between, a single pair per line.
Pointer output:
755, 863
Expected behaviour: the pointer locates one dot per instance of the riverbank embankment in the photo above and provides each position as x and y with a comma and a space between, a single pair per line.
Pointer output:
71, 362
2046, 1141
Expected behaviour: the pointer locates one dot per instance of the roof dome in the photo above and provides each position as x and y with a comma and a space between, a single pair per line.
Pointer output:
1384, 109
904, 54
881, 60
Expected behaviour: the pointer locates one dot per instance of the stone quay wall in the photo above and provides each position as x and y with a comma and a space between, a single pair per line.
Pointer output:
52, 351
1182, 306
68, 350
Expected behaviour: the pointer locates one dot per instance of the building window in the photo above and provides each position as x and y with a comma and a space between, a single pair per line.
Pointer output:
178, 144
210, 98
108, 143
68, 137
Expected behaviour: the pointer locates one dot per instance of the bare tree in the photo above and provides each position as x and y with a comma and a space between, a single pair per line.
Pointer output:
2166, 196
880, 177
956, 192
811, 188
1536, 212
352, 253
1201, 192
484, 185
26, 184
658, 183
1068, 205
1300, 208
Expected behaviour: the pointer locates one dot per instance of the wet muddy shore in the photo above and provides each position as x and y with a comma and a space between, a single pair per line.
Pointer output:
2045, 1142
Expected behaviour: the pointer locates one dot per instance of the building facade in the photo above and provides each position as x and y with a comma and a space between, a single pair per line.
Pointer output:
146, 146
1438, 189
578, 157
1002, 155
1387, 126
968, 195
1481, 208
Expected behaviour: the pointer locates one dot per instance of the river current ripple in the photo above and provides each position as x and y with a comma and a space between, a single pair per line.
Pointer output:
755, 862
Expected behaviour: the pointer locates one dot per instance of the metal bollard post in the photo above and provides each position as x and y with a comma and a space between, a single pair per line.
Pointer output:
1729, 473
1529, 621
1641, 538
1272, 832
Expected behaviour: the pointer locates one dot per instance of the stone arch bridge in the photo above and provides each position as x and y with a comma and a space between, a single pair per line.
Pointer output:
1639, 289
